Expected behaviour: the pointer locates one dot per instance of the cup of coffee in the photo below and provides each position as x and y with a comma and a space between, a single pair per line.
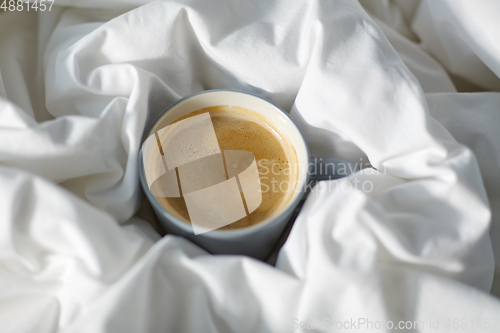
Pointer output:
225, 169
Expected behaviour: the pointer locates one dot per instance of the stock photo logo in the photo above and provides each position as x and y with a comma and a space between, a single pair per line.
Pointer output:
219, 186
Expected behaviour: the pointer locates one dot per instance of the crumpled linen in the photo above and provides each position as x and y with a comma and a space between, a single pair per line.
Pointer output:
80, 85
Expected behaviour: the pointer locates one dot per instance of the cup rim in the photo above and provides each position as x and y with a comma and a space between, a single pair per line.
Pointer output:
216, 233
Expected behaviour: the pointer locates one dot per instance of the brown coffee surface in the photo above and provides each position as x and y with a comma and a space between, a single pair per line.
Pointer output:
242, 129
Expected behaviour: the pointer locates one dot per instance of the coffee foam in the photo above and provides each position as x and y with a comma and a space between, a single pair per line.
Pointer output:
240, 129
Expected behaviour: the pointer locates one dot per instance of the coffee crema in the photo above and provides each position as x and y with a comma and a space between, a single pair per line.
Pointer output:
238, 128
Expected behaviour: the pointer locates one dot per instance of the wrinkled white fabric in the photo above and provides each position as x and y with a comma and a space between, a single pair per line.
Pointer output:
473, 120
462, 35
80, 84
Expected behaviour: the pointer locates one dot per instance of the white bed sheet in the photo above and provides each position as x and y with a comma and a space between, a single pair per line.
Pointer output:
79, 84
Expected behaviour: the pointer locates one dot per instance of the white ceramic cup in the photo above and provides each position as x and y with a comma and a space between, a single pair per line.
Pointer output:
257, 240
